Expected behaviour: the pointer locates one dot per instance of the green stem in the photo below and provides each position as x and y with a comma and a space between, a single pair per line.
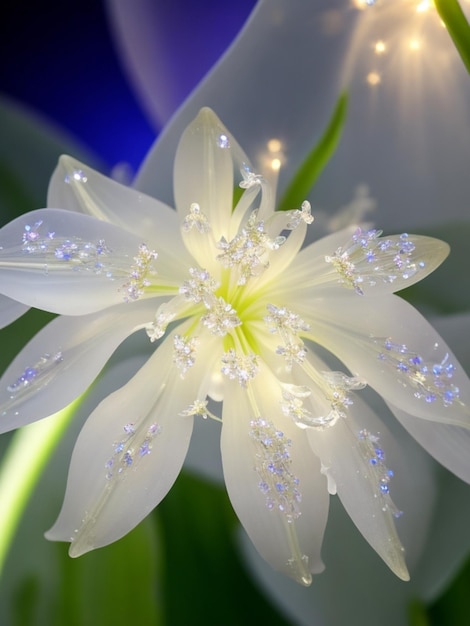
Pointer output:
317, 159
457, 26
22, 466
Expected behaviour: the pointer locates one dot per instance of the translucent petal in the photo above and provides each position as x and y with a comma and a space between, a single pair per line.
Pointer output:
62, 360
353, 572
10, 310
450, 445
161, 70
262, 492
341, 420
352, 567
389, 344
360, 479
129, 453
66, 262
403, 112
364, 262
257, 58
77, 187
204, 176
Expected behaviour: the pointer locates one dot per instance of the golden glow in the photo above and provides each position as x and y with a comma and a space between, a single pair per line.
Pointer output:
373, 78
424, 6
274, 145
276, 165
379, 47
361, 4
414, 44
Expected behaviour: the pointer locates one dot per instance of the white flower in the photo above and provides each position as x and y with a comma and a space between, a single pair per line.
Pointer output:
284, 337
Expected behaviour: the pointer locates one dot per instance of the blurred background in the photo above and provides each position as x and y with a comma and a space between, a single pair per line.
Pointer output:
66, 85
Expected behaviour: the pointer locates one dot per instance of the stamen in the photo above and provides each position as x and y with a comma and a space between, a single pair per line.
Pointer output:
185, 352
367, 259
369, 445
297, 216
250, 179
282, 320
82, 255
199, 407
273, 465
249, 250
221, 318
140, 271
293, 352
337, 393
431, 380
155, 330
196, 218
243, 368
37, 374
200, 288
129, 450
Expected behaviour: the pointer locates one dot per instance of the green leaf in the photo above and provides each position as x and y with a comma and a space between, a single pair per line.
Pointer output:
453, 606
117, 585
417, 614
22, 466
312, 167
454, 19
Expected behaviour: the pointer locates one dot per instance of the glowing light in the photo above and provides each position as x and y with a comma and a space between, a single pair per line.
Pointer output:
379, 47
373, 78
274, 145
276, 165
363, 4
414, 44
424, 6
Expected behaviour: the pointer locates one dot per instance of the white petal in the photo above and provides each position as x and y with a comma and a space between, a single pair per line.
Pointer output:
292, 547
66, 262
204, 176
362, 261
347, 455
77, 187
389, 344
10, 310
128, 454
450, 445
353, 572
62, 360
280, 259
352, 567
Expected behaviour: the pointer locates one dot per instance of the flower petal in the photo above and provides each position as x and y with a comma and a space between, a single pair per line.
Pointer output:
389, 344
365, 262
204, 178
129, 453
352, 459
450, 445
77, 187
345, 551
66, 262
62, 360
10, 310
264, 494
